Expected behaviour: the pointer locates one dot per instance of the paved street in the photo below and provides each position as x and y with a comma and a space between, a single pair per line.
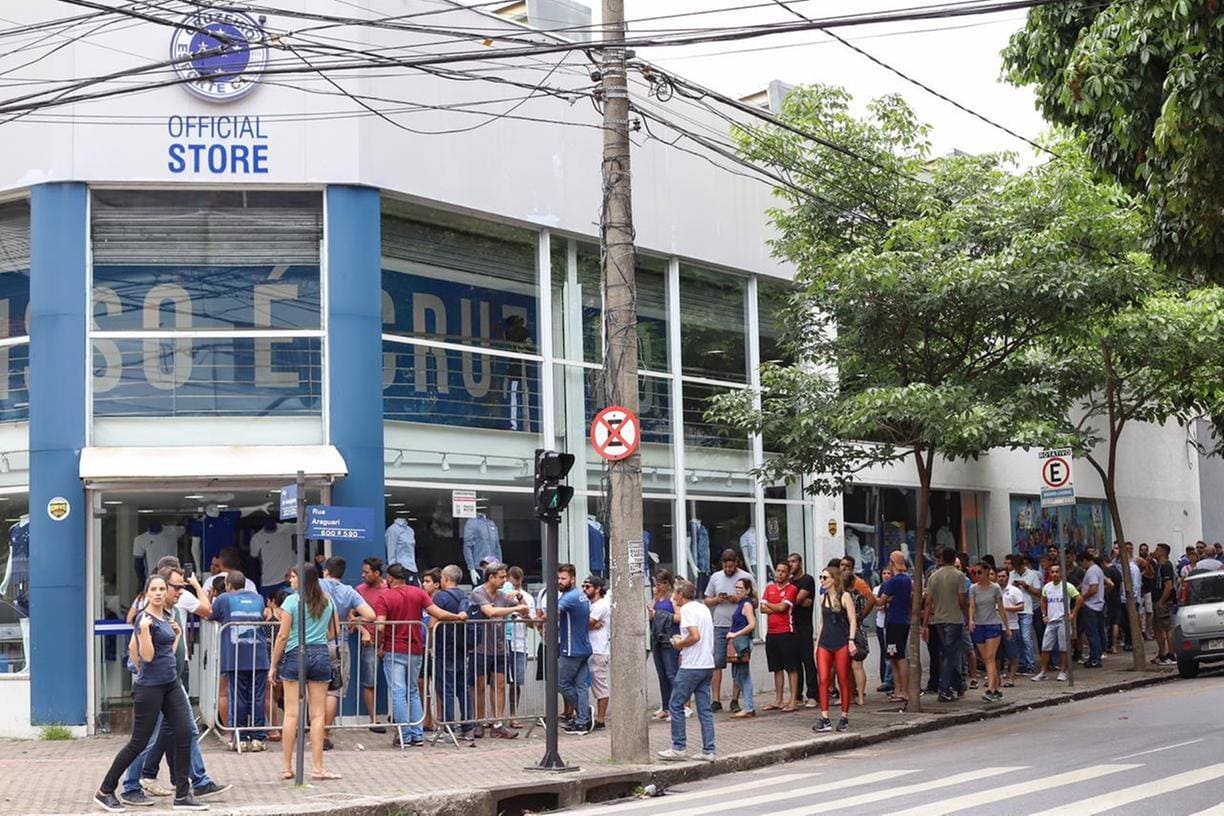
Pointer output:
1158, 750
38, 777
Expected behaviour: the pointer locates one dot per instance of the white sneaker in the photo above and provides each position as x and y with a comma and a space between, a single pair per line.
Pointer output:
705, 757
672, 755
1062, 677
688, 713
1038, 677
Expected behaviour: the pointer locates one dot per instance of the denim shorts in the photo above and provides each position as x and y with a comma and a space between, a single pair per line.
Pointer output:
516, 668
318, 664
1011, 645
983, 633
720, 646
369, 666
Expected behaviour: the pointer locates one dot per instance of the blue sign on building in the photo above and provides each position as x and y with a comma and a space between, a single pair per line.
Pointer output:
340, 523
288, 502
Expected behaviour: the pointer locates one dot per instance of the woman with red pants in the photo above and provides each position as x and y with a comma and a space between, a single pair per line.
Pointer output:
835, 646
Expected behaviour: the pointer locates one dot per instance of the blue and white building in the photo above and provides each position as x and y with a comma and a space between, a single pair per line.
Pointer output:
220, 277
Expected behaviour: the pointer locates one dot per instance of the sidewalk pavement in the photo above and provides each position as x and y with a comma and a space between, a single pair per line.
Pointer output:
39, 777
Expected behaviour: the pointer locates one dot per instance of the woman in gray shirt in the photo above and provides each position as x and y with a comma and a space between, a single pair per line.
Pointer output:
987, 624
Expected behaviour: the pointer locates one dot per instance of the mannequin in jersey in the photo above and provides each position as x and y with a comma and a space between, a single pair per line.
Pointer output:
274, 546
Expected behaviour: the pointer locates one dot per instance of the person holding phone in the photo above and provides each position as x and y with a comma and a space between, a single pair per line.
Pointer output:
720, 598
155, 690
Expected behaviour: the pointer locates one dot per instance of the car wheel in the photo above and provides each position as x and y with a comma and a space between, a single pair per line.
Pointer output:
1187, 668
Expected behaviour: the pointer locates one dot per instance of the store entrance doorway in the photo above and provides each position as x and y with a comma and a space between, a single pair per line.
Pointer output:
208, 529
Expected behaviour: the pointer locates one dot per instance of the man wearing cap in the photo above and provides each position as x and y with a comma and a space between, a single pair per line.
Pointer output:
600, 662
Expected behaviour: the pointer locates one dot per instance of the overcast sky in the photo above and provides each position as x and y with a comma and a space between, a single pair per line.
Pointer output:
958, 57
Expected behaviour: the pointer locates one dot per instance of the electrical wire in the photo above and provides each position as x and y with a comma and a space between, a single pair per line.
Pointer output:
918, 83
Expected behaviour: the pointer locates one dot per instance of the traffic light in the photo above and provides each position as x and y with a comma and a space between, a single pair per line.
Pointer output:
552, 497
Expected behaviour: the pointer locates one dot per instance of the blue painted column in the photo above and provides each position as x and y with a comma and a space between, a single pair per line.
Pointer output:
354, 373
59, 628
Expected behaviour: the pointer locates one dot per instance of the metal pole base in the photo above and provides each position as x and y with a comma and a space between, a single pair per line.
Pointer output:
552, 762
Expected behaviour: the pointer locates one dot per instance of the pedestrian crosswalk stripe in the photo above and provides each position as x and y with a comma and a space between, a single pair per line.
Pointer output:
892, 793
823, 788
732, 788
1218, 810
1025, 788
1125, 796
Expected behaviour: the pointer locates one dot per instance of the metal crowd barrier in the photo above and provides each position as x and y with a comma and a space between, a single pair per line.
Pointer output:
483, 677
253, 702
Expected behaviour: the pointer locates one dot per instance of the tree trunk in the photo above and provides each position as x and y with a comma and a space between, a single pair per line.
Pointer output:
925, 463
1132, 609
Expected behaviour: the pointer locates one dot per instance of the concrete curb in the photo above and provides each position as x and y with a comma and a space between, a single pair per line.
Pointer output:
599, 785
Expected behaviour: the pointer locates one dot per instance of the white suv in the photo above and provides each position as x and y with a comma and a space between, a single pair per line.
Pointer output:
1198, 629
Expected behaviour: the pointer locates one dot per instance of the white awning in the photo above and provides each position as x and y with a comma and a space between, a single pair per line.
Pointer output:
235, 463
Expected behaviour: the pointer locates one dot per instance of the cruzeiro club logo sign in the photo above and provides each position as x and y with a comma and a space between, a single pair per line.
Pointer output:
220, 55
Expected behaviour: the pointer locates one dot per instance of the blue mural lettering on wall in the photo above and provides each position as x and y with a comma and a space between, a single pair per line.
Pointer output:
194, 376
14, 360
450, 387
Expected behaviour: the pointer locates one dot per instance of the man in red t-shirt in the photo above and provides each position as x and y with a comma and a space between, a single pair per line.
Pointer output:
403, 647
781, 649
371, 587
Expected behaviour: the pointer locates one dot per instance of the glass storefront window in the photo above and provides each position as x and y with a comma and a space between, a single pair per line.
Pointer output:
14, 582
175, 265
506, 527
772, 300
714, 526
14, 311
442, 386
713, 325
656, 530
183, 376
699, 431
458, 280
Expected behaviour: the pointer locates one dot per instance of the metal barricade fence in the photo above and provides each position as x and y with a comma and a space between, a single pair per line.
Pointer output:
484, 677
377, 663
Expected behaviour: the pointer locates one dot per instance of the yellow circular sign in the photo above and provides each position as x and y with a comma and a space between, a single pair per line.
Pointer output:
58, 508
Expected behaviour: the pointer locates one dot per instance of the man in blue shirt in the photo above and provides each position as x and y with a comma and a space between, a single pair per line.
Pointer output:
244, 656
452, 679
350, 606
573, 674
897, 593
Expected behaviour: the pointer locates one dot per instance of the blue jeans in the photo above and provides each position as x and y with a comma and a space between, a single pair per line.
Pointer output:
885, 666
247, 690
574, 683
741, 673
667, 662
158, 744
693, 683
402, 671
951, 636
448, 689
1094, 628
1028, 654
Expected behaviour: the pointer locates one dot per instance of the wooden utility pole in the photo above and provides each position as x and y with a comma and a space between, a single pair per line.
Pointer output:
629, 725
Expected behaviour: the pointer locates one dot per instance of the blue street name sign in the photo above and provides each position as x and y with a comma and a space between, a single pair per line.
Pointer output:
346, 523
288, 502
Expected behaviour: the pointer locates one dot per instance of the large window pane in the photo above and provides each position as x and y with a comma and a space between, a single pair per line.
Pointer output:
712, 324
656, 531
506, 527
14, 310
715, 526
458, 280
14, 583
772, 300
196, 377
699, 431
581, 301
468, 389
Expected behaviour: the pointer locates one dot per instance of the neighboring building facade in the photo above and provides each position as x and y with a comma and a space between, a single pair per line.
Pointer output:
208, 287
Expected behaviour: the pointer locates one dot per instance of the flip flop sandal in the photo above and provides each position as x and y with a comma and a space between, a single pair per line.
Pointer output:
288, 775
772, 707
325, 775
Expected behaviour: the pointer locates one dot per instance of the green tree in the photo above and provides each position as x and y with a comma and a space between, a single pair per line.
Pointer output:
1142, 81
1159, 359
924, 287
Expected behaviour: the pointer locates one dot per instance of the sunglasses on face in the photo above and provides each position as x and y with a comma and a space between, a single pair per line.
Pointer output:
825, 577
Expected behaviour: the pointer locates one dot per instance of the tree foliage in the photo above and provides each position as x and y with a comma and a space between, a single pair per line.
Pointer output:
1142, 82
929, 289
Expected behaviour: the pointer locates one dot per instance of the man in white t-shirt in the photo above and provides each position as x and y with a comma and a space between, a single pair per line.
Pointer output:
696, 645
600, 663
1028, 581
516, 637
1013, 604
1053, 609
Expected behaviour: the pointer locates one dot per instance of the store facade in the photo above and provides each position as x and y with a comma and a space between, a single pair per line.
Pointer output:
209, 286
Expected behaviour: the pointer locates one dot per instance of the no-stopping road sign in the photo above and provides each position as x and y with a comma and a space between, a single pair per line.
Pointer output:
615, 433
1057, 483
